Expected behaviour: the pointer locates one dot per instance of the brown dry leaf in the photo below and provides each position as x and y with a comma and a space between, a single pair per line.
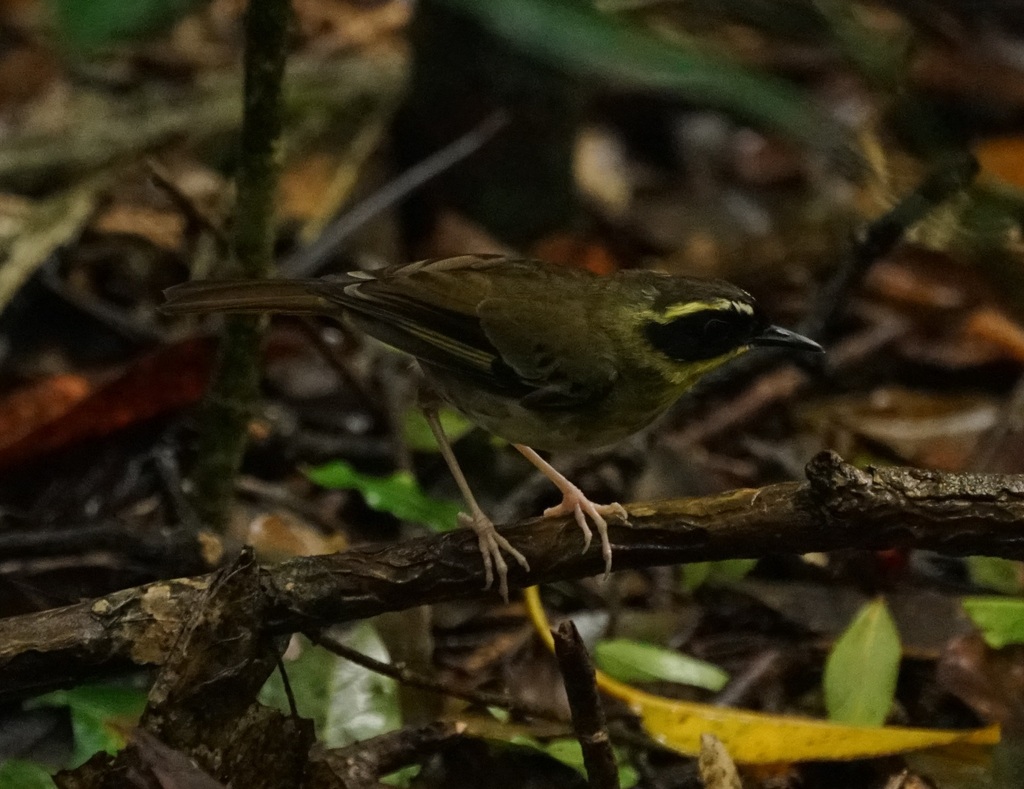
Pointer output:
207, 191
575, 251
924, 279
922, 428
968, 74
994, 327
763, 161
277, 536
717, 769
25, 410
455, 234
161, 227
1002, 160
50, 224
334, 25
164, 198
22, 13
169, 379
25, 72
321, 184
986, 335
303, 187
989, 681
951, 349
941, 291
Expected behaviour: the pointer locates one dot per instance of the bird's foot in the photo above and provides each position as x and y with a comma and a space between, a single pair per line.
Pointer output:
491, 545
580, 507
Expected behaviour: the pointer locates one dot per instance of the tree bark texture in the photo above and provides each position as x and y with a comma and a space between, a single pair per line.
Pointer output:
839, 506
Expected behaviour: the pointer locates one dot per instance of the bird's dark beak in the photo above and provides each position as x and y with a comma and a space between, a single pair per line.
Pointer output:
774, 335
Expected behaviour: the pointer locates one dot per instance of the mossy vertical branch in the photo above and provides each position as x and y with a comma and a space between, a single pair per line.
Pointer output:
235, 387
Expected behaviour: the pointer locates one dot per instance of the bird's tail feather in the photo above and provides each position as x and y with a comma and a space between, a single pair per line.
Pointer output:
245, 296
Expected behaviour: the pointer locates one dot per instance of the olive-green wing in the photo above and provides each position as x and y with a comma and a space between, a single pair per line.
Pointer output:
489, 319
426, 309
555, 349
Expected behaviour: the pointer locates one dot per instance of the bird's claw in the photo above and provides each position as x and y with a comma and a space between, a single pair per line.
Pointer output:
580, 507
491, 545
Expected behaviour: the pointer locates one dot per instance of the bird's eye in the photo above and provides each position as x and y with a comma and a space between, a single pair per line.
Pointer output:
702, 335
724, 335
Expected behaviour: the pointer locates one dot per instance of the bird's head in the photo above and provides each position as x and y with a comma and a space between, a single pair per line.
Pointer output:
696, 325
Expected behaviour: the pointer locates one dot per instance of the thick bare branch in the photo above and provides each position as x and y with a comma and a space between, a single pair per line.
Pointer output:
838, 507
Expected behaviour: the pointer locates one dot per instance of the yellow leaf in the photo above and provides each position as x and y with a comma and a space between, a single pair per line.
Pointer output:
758, 738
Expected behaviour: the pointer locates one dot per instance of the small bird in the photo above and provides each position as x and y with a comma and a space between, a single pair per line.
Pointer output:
545, 356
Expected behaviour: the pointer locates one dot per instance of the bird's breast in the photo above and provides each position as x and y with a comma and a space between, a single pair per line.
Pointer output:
625, 410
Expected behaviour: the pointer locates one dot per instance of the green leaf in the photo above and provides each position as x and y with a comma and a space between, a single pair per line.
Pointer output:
101, 716
696, 574
346, 702
992, 572
1000, 619
420, 438
861, 671
398, 494
19, 774
568, 751
402, 777
635, 661
91, 24
579, 39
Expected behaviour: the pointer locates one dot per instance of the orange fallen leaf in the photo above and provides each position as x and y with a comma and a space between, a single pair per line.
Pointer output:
163, 228
277, 536
995, 327
164, 381
575, 251
302, 190
1002, 159
25, 410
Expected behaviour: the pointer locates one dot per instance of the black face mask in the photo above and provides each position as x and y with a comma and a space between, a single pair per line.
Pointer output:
704, 335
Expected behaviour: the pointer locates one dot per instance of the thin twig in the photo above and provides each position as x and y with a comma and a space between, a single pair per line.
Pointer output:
192, 212
588, 718
287, 685
405, 675
950, 177
329, 353
362, 764
309, 260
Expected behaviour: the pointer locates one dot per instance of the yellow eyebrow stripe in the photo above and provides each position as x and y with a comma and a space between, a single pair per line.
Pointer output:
690, 307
